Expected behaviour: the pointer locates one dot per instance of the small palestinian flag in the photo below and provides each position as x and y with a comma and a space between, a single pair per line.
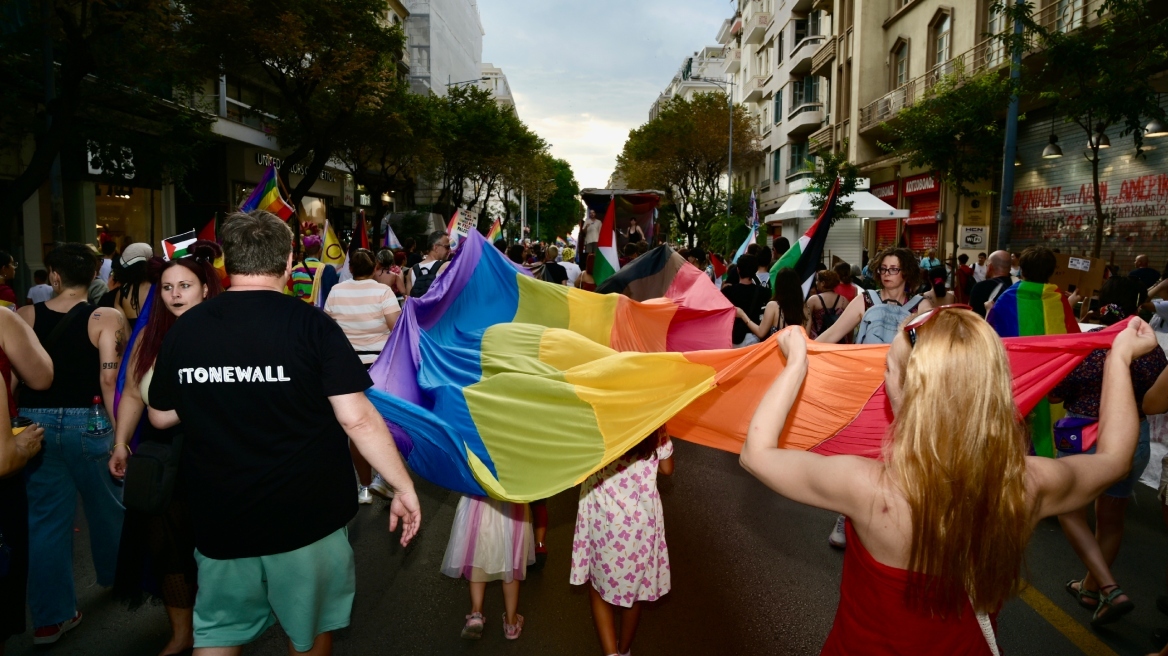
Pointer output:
605, 264
808, 251
176, 246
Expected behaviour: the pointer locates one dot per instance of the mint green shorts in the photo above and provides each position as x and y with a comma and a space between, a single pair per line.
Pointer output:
309, 590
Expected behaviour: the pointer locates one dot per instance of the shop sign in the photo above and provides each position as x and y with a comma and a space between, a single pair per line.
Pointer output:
349, 194
265, 160
365, 200
974, 213
973, 237
921, 184
124, 156
885, 191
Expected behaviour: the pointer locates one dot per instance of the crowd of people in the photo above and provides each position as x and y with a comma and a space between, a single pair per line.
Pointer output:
229, 503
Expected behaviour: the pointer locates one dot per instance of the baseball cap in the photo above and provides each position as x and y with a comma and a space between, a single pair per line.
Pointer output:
135, 253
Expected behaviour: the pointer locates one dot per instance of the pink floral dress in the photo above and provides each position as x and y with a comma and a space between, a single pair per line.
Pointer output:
619, 543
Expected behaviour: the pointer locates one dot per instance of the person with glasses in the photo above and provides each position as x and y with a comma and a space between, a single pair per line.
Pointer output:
879, 315
939, 526
424, 273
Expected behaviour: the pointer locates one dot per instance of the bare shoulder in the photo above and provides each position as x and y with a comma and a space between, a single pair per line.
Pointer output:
28, 313
107, 318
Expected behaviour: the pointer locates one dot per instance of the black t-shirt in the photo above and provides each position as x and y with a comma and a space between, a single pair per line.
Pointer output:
1147, 277
752, 299
981, 292
554, 272
265, 464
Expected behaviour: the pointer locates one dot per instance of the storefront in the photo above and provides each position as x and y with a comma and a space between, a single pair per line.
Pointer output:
885, 230
923, 195
1053, 198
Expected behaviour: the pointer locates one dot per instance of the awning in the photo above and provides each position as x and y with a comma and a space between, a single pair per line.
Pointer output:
864, 205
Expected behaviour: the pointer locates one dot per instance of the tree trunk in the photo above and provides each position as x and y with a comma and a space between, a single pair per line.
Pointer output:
1095, 250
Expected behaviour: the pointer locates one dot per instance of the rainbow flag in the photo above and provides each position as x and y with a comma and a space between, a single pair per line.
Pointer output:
489, 349
452, 230
266, 196
1029, 309
495, 231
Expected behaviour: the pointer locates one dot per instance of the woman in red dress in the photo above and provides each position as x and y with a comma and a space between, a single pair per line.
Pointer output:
938, 528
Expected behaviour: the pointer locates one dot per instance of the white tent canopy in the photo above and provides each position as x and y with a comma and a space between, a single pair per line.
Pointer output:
864, 205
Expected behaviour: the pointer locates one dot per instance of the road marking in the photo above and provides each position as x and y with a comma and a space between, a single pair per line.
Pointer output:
1086, 641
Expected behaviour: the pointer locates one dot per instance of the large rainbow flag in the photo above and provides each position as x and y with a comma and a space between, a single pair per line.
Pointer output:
266, 196
498, 384
1030, 309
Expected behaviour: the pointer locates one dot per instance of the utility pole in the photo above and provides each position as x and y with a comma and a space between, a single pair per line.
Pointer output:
1010, 152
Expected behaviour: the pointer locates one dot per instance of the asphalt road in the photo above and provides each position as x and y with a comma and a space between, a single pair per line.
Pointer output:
752, 574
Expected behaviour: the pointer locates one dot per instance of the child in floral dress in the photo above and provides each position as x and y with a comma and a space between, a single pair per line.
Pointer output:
619, 544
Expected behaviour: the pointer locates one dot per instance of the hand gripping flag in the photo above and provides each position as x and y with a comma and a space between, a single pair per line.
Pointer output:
806, 253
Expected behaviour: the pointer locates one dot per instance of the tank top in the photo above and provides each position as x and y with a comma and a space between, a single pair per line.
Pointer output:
76, 363
873, 616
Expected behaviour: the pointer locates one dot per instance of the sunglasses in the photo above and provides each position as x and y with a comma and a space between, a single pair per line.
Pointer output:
924, 318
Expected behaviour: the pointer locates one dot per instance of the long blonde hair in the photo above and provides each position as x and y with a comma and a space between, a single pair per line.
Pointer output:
958, 456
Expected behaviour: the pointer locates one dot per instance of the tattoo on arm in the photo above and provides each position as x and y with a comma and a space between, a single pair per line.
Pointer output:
109, 365
119, 341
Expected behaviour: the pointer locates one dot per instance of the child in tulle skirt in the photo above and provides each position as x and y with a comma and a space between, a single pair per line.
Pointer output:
619, 544
491, 540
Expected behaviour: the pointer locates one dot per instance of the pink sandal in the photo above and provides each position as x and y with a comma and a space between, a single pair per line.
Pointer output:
512, 631
473, 629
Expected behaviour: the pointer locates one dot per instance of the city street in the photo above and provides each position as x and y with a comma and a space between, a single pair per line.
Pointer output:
752, 574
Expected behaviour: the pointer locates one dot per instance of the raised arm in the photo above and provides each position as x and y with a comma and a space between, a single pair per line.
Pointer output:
1065, 484
809, 478
846, 323
368, 431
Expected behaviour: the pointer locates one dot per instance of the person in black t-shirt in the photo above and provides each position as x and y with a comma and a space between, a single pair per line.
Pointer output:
1145, 275
748, 296
997, 281
269, 393
553, 271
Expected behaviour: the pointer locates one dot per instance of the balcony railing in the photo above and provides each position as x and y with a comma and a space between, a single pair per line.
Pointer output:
753, 88
985, 56
822, 139
756, 28
822, 59
732, 59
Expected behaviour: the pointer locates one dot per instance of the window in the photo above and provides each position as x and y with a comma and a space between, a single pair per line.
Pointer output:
778, 106
995, 24
779, 51
813, 24
900, 65
942, 38
798, 160
800, 30
776, 164
805, 91
1070, 15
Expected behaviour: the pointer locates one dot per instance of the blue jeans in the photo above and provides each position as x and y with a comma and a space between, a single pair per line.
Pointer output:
72, 463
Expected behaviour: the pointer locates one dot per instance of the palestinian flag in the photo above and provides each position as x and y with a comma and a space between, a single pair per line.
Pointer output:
808, 251
176, 246
605, 264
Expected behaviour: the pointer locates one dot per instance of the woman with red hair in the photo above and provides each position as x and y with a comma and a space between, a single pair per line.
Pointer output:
156, 555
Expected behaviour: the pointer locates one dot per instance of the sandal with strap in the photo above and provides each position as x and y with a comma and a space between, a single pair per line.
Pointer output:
1075, 589
1109, 610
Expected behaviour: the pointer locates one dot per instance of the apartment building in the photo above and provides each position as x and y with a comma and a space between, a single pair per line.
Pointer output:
445, 43
884, 56
693, 76
495, 81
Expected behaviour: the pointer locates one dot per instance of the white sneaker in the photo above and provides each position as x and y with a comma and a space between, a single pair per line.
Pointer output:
838, 538
364, 496
380, 487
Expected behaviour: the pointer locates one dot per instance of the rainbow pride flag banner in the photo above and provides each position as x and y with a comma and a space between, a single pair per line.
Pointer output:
495, 383
266, 196
496, 231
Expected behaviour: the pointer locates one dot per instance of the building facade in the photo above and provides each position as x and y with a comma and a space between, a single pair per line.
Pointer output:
445, 43
693, 77
495, 81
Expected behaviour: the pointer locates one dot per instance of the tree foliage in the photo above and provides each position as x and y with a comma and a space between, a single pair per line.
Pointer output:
562, 209
1100, 75
683, 152
832, 166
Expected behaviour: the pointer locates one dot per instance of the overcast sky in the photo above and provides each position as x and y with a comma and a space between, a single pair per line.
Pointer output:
584, 74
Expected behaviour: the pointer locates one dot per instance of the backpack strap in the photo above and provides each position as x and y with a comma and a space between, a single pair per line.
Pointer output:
833, 305
913, 302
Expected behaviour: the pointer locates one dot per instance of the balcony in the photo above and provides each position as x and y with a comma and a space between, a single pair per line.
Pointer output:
752, 88
821, 61
985, 56
802, 53
822, 5
724, 35
821, 140
756, 28
804, 119
732, 60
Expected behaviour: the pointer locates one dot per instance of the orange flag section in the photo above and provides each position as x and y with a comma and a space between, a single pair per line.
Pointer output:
840, 380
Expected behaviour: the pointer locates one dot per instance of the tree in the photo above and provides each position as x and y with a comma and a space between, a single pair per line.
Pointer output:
1099, 76
562, 210
683, 151
122, 78
956, 130
326, 61
832, 166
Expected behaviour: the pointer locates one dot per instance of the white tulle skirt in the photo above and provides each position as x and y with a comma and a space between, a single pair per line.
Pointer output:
490, 540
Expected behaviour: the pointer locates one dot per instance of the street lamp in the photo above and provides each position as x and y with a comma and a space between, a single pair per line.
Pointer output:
730, 151
454, 84
537, 201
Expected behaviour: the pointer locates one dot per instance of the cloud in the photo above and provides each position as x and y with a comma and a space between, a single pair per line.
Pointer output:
583, 75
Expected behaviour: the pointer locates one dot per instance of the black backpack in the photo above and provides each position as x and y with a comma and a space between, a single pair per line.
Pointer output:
423, 278
829, 315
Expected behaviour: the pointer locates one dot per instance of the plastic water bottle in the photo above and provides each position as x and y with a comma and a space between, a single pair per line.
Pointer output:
99, 421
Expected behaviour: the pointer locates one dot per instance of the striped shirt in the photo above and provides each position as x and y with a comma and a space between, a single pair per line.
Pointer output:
360, 308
